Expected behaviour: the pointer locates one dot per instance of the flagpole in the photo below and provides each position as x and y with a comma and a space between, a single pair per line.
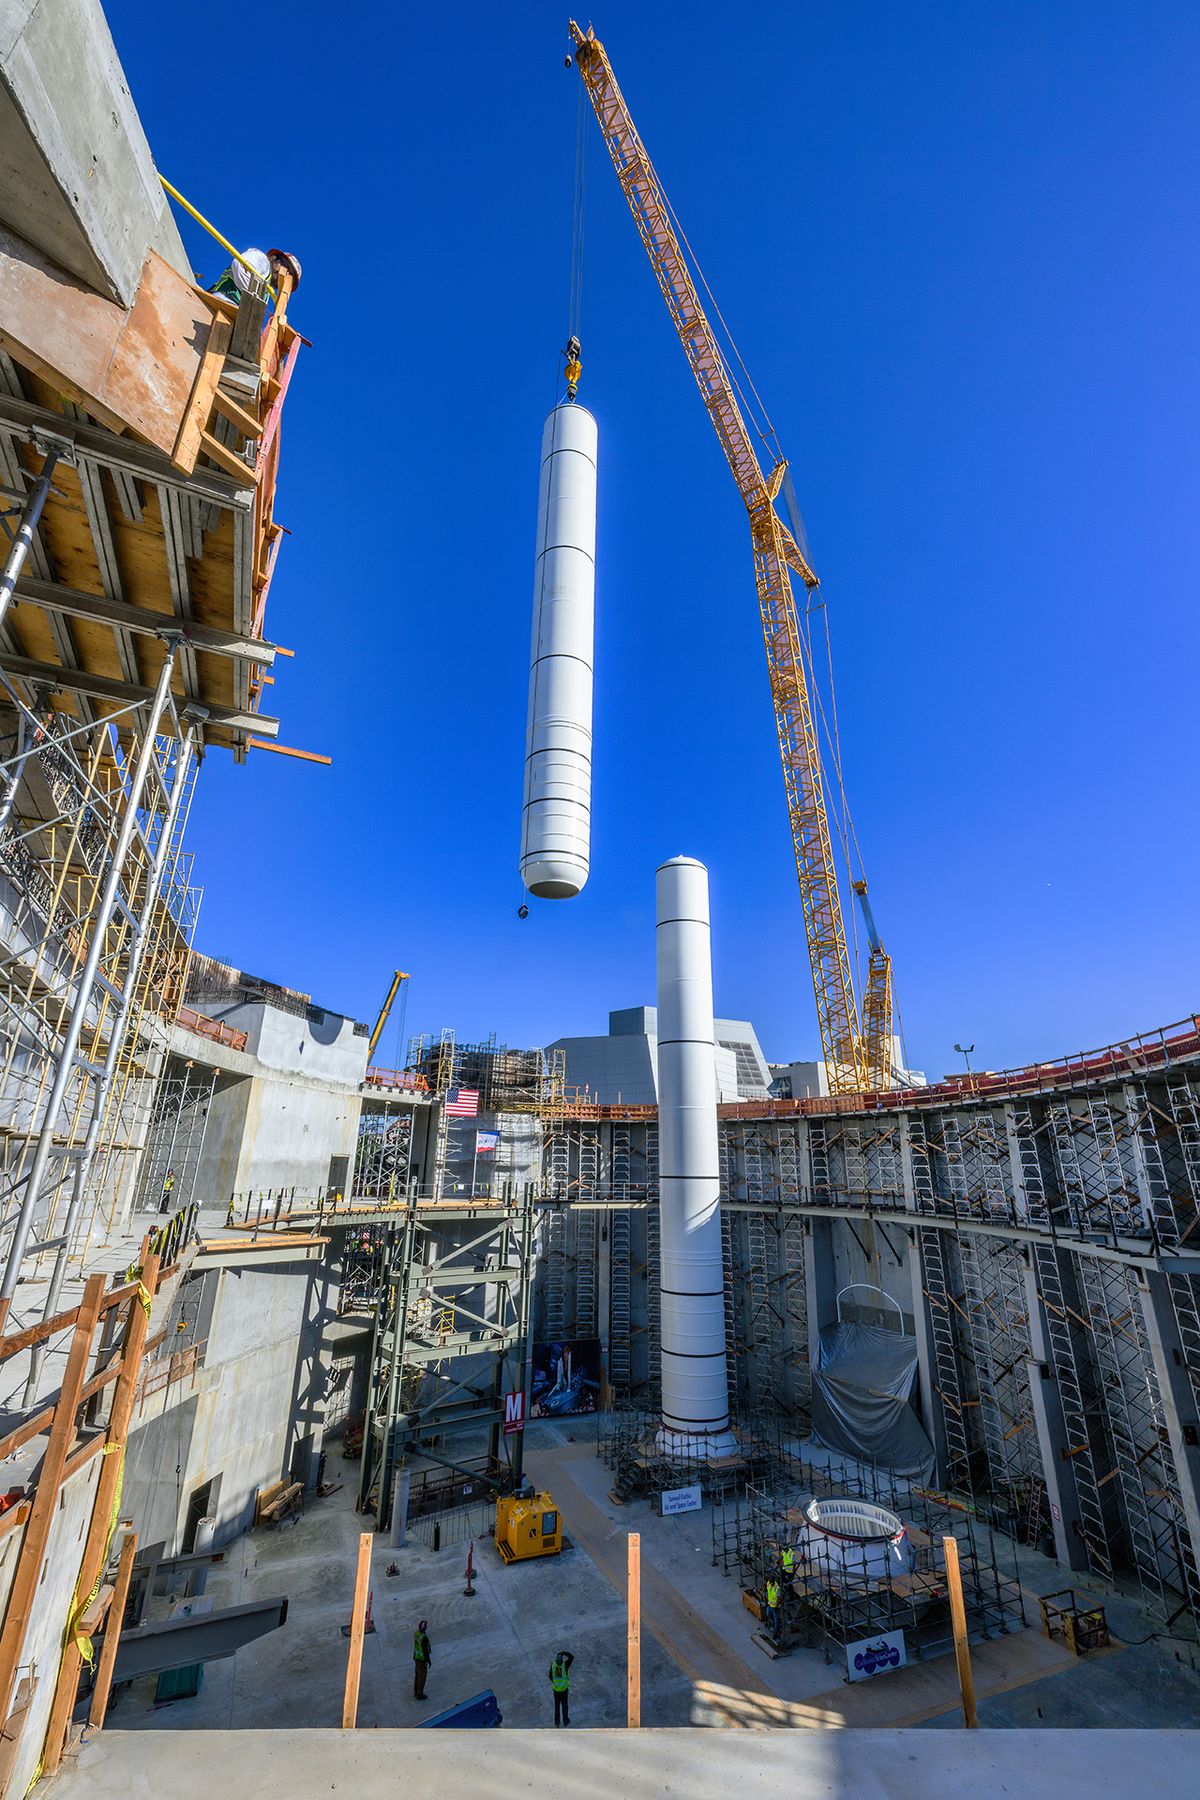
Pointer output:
474, 1160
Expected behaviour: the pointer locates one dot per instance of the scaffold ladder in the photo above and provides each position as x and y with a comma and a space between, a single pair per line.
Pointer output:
946, 1360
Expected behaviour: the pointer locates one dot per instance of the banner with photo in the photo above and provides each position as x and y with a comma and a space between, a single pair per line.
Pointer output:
566, 1378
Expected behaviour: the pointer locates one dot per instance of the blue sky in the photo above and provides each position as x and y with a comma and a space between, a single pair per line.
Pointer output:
959, 249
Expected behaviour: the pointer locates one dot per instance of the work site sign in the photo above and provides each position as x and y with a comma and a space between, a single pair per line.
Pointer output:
514, 1413
680, 1500
877, 1655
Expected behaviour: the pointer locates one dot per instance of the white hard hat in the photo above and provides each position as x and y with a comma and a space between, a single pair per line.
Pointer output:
259, 262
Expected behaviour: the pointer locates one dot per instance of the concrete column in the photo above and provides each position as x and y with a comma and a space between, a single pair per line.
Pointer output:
1069, 1545
820, 1283
1178, 1396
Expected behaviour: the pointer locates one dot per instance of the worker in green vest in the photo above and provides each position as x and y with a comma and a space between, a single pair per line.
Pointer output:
422, 1657
787, 1563
771, 1610
560, 1681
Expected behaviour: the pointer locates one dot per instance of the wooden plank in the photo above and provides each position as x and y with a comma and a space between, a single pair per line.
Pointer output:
238, 416
634, 1605
112, 1634
21, 1340
199, 410
225, 459
32, 1553
958, 1618
358, 1623
95, 1550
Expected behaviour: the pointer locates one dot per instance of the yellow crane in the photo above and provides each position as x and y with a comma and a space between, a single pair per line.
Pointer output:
384, 1010
855, 1060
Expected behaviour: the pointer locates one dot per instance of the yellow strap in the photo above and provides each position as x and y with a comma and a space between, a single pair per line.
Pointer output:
74, 1634
213, 232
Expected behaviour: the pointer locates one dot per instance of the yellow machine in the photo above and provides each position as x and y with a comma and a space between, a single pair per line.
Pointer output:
527, 1525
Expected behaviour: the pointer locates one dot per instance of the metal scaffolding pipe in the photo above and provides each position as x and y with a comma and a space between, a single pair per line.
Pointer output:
137, 952
695, 1382
31, 512
87, 979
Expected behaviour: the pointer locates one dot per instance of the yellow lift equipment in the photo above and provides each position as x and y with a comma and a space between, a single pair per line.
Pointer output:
527, 1525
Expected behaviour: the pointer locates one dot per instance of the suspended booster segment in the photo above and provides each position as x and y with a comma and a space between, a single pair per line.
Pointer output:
556, 822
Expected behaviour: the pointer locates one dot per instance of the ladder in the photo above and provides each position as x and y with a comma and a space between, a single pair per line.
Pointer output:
620, 1320
653, 1260
945, 1359
1092, 1525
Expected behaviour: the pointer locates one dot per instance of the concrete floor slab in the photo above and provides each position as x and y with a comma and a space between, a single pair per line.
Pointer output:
709, 1765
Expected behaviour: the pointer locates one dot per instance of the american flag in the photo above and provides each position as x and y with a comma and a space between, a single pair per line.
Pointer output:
462, 1103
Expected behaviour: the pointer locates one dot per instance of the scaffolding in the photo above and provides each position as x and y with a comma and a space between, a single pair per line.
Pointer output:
97, 914
835, 1603
451, 1338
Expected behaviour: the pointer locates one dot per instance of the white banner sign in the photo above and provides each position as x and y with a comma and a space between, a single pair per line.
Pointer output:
875, 1655
679, 1500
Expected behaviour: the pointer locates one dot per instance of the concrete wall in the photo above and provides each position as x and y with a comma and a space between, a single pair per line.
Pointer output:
279, 1117
77, 179
245, 1414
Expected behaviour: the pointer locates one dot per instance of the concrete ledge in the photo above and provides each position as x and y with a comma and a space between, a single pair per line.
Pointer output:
890, 1765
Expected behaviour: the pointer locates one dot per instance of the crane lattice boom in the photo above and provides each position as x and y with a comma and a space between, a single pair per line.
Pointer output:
849, 1063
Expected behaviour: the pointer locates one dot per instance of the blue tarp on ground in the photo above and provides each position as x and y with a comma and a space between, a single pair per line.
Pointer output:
861, 1402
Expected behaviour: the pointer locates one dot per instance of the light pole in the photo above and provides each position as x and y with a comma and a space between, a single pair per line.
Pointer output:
964, 1050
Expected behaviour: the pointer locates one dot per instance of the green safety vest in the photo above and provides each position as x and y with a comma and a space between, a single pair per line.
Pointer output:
418, 1646
560, 1679
772, 1593
788, 1562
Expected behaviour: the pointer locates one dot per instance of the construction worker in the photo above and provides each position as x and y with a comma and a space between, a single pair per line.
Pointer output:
560, 1681
787, 1563
422, 1657
771, 1609
164, 1204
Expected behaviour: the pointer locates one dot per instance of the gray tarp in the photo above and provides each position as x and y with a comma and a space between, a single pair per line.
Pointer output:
860, 1405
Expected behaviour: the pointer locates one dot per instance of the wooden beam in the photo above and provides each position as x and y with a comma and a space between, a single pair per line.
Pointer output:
31, 1555
255, 743
958, 1618
95, 1549
358, 1625
54, 598
112, 1634
124, 693
634, 1715
238, 416
225, 458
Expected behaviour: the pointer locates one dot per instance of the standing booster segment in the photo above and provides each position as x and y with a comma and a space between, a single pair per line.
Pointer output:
695, 1388
556, 821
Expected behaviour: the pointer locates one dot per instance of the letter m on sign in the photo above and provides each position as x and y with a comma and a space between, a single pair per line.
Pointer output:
514, 1413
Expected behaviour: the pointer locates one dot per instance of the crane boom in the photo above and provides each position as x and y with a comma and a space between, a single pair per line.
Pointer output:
775, 554
384, 1010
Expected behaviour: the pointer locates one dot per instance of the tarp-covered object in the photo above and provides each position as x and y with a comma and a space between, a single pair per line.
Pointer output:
860, 1405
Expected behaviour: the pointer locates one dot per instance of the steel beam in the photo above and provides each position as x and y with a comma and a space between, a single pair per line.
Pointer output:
173, 1643
124, 693
120, 614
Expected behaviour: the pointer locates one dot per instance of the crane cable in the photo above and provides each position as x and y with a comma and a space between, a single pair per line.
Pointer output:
578, 220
